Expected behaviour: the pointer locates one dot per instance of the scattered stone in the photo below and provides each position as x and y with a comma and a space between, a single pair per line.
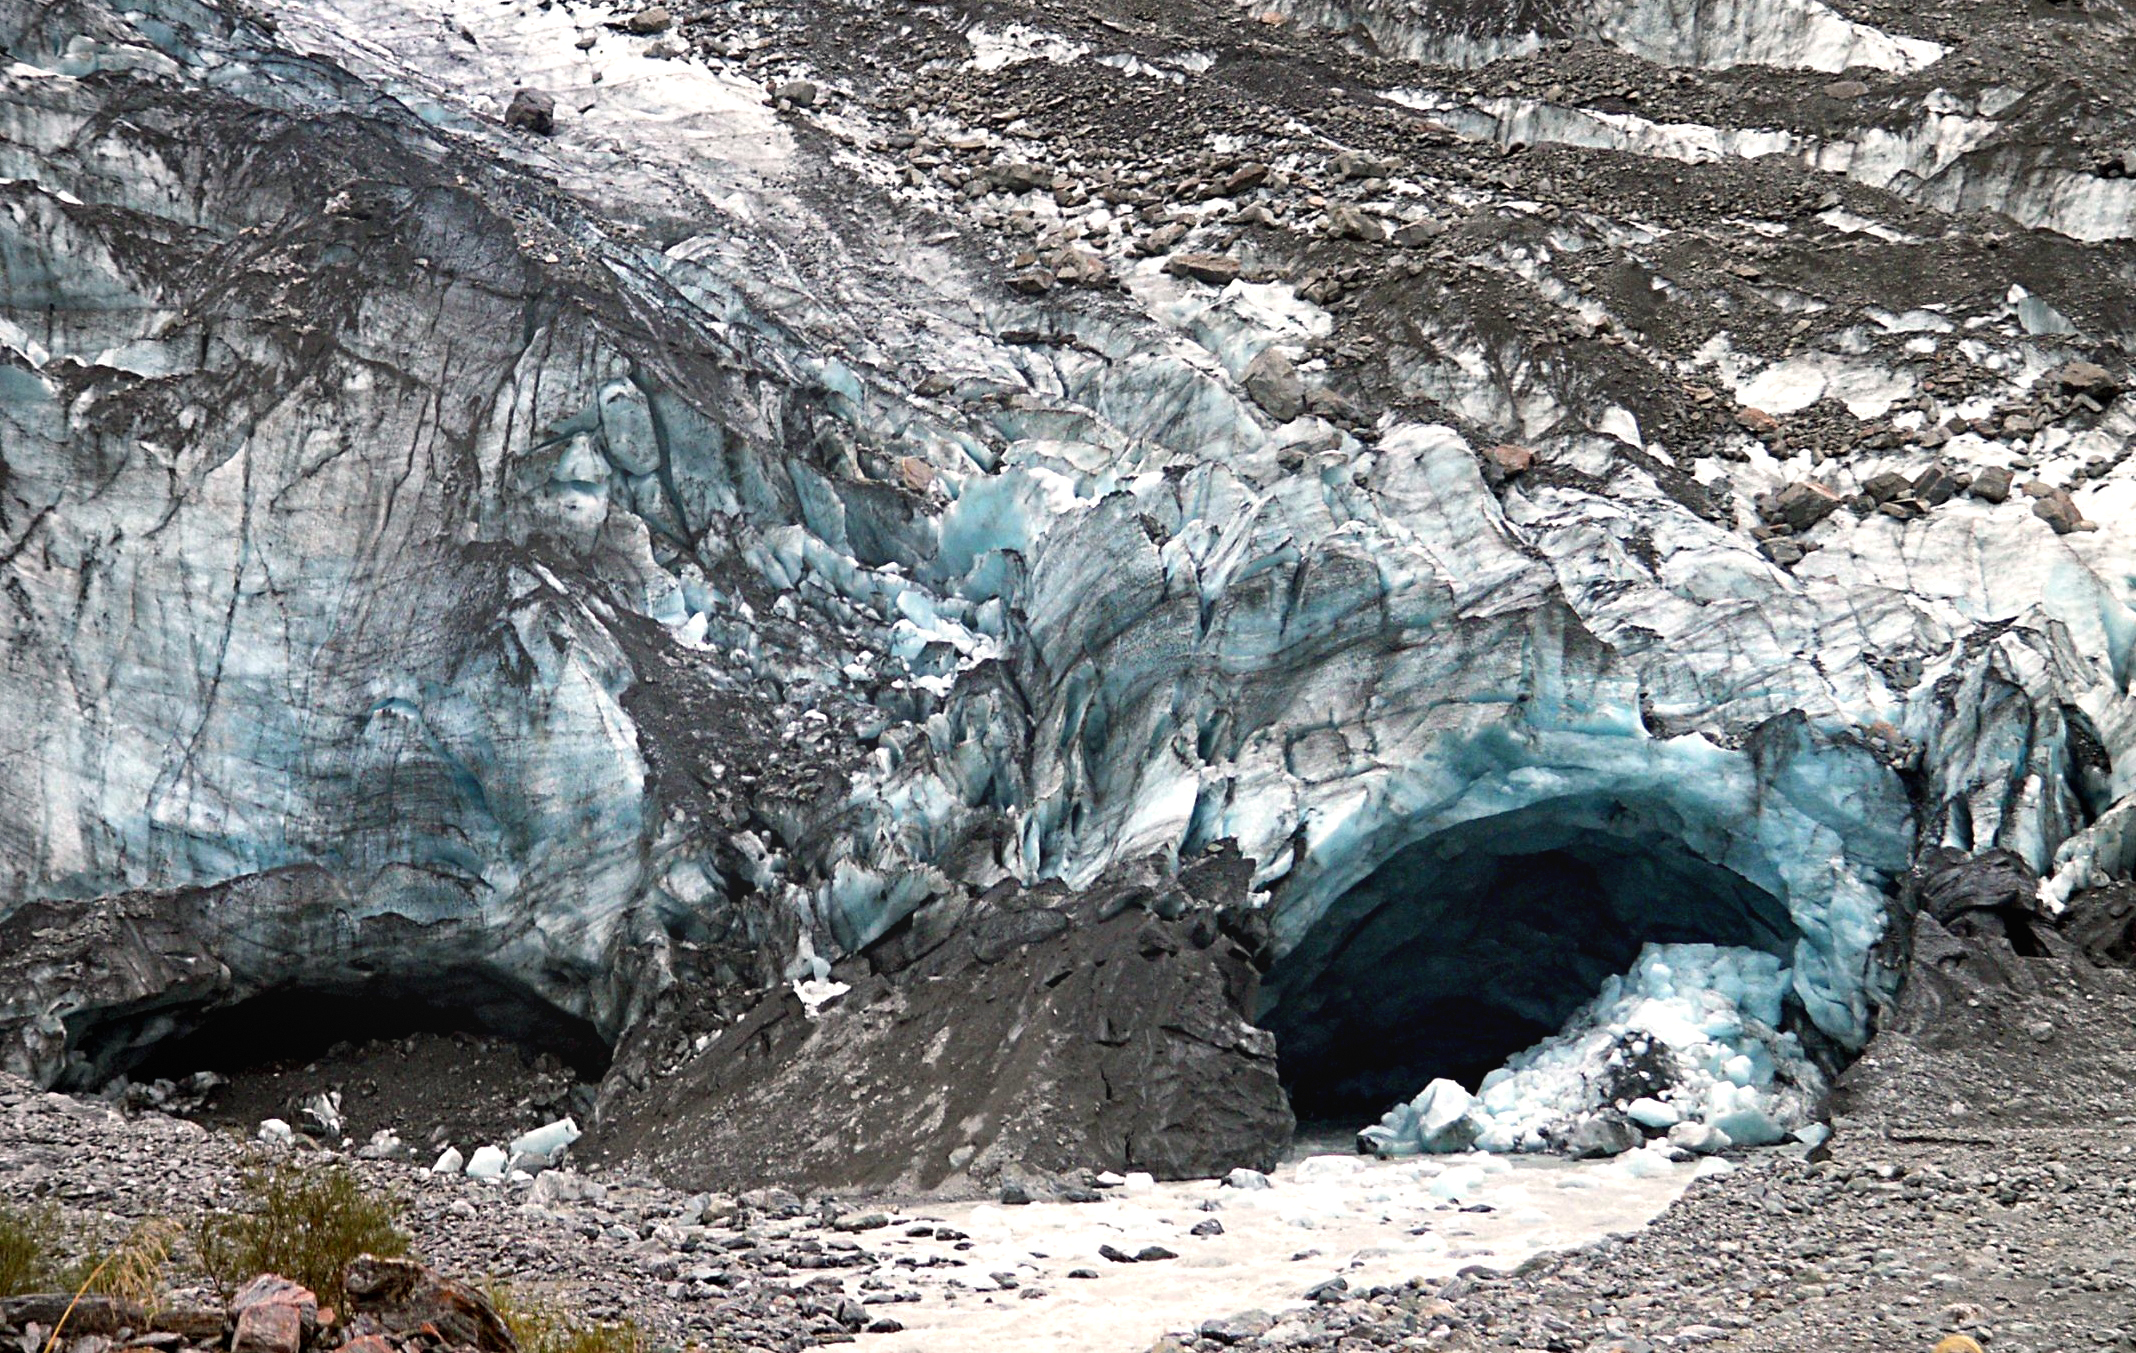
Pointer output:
1211, 1227
647, 22
1803, 504
532, 111
1215, 269
1243, 1178
799, 93
1238, 1329
272, 1315
1992, 485
1272, 382
1506, 461
2059, 511
2087, 379
1346, 222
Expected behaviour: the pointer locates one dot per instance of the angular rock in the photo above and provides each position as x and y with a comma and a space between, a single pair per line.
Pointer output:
799, 93
532, 110
271, 1314
1935, 486
1417, 234
396, 1297
1803, 504
1604, 1134
1272, 382
2085, 378
649, 21
2059, 511
1991, 485
1506, 460
1215, 269
1346, 222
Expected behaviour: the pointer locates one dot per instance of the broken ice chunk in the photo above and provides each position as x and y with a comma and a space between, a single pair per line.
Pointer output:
275, 1132
538, 1149
1652, 1113
1437, 1121
450, 1162
489, 1162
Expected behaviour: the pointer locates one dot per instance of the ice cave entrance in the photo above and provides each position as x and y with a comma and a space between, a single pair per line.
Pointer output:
297, 1024
1474, 942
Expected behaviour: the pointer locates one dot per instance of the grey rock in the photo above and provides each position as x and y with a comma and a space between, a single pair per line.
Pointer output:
532, 110
1272, 381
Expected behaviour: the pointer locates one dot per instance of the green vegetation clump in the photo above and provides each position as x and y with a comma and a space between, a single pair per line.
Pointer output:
30, 1242
543, 1327
303, 1223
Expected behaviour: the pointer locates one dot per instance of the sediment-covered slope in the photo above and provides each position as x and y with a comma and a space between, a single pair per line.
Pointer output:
865, 456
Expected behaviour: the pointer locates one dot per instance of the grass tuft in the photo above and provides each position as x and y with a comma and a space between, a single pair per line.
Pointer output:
539, 1326
30, 1241
305, 1224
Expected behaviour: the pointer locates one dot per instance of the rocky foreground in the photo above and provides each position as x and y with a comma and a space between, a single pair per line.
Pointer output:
1885, 1244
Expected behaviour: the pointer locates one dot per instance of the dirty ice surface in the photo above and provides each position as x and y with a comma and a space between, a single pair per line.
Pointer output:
1324, 1216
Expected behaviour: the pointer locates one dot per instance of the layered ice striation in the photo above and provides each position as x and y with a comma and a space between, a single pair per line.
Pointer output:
1688, 1045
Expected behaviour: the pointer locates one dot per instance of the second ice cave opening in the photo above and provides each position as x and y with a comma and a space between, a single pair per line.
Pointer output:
1471, 944
297, 1023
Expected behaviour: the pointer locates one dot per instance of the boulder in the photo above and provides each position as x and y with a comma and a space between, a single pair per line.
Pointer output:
272, 1315
1346, 222
394, 1297
532, 111
1803, 504
2059, 511
1992, 485
1272, 382
1217, 270
1507, 460
647, 22
1605, 1134
2085, 378
1417, 234
1935, 486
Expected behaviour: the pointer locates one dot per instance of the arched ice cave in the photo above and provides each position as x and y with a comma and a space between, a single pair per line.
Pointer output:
1472, 943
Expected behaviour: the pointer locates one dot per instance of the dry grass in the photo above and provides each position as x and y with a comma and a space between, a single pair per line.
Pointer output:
30, 1241
131, 1272
539, 1326
303, 1223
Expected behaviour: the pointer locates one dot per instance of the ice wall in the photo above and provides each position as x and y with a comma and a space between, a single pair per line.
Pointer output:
571, 584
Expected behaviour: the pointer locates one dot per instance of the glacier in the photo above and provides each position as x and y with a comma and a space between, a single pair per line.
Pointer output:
558, 578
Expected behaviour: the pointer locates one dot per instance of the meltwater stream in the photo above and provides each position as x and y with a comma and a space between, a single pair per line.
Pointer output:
1323, 1215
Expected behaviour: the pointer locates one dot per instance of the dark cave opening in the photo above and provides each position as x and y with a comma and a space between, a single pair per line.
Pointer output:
299, 1024
1470, 945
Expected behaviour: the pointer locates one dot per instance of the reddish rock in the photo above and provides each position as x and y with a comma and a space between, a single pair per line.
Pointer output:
273, 1315
917, 474
1756, 421
1506, 460
400, 1296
